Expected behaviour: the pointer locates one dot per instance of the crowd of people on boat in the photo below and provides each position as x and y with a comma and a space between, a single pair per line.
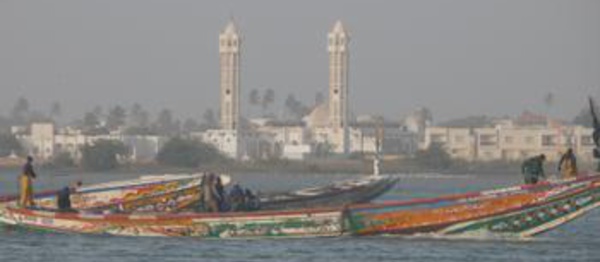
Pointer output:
214, 197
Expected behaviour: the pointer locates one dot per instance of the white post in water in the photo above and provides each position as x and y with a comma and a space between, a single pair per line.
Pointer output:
376, 165
379, 133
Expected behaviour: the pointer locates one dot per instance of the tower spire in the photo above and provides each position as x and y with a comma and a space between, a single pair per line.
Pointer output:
337, 46
229, 52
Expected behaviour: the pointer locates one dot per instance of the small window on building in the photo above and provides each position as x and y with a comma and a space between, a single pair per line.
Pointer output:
437, 138
487, 140
508, 139
548, 140
587, 140
529, 140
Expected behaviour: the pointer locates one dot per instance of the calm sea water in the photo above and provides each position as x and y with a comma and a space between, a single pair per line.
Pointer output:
577, 241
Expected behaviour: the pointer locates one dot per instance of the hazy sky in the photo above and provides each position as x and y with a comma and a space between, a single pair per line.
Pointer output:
457, 57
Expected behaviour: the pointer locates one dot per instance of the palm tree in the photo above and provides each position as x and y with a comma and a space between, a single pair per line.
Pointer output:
254, 98
268, 99
55, 111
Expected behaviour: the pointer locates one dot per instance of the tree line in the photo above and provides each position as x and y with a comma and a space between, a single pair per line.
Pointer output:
135, 120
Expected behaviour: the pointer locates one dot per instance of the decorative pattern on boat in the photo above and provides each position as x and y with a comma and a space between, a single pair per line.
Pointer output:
535, 220
482, 212
265, 225
159, 196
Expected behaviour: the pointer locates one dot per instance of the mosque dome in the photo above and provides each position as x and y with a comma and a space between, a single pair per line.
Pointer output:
318, 116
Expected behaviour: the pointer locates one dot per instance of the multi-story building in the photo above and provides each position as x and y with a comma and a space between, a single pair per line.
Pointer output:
44, 141
510, 140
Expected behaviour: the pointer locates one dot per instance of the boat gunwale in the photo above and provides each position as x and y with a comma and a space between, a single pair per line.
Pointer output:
173, 216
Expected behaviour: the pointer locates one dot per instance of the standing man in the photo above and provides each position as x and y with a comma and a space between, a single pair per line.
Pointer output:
567, 165
210, 197
533, 169
27, 177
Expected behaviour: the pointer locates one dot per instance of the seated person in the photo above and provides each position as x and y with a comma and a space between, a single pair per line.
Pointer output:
63, 199
252, 202
236, 196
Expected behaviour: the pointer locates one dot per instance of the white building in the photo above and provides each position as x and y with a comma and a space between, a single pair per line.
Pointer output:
508, 140
44, 141
225, 140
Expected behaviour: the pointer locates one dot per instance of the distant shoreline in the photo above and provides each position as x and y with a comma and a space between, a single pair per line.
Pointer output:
328, 166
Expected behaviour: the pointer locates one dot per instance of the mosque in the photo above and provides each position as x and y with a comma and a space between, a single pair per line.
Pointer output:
327, 129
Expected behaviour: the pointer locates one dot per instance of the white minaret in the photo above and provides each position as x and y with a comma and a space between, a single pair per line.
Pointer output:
337, 47
229, 51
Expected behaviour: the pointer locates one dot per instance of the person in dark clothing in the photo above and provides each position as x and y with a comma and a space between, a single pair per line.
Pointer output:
219, 187
251, 202
27, 177
222, 197
236, 197
63, 199
567, 165
533, 169
596, 133
210, 198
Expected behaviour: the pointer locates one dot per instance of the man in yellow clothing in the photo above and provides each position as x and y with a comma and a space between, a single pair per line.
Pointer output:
27, 177
567, 165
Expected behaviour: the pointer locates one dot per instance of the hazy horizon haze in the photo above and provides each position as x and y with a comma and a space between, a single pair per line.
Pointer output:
458, 58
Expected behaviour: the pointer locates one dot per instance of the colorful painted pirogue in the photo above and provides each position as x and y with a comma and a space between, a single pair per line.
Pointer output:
175, 193
147, 194
517, 211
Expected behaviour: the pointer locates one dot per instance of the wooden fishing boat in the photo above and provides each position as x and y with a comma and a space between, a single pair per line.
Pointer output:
519, 211
353, 191
158, 193
302, 223
175, 193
